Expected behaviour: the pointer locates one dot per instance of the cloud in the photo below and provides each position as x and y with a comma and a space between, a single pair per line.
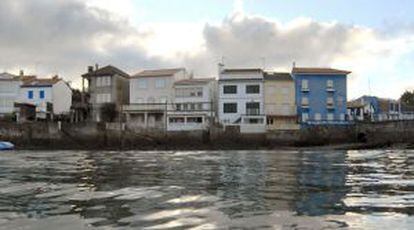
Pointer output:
64, 36
61, 36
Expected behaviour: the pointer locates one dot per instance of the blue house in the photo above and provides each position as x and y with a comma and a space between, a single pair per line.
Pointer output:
377, 109
321, 95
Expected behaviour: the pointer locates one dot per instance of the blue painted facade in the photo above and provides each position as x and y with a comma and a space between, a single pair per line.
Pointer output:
321, 110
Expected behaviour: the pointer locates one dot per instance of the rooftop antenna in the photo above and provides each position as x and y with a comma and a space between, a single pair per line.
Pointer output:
263, 63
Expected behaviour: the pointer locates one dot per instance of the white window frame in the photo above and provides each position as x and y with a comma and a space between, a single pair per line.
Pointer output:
142, 84
305, 101
330, 84
318, 117
305, 117
330, 116
160, 83
305, 84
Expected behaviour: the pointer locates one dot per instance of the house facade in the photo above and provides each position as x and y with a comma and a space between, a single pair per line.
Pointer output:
241, 99
321, 95
106, 85
194, 106
279, 101
151, 96
9, 93
51, 96
375, 109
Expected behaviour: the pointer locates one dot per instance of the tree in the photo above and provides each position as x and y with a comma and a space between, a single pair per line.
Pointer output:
108, 112
407, 100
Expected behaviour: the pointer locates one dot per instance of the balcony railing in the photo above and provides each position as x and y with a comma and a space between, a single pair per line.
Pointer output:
253, 112
146, 107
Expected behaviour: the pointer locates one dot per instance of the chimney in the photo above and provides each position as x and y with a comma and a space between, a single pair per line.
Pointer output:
21, 74
294, 64
55, 77
90, 69
220, 68
96, 66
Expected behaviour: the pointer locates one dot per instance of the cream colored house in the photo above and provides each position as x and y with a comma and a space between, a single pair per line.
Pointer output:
279, 99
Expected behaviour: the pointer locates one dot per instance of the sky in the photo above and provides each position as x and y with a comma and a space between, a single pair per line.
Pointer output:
372, 38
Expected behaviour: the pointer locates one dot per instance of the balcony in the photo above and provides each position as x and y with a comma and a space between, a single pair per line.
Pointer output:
330, 89
146, 107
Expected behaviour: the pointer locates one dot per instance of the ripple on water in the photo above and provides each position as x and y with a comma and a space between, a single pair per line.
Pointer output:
207, 190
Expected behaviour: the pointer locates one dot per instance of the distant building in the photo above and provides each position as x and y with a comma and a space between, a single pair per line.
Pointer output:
151, 95
194, 105
51, 96
9, 92
279, 101
375, 109
106, 85
241, 99
321, 95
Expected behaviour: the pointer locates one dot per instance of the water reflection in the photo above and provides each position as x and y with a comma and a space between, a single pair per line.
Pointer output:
206, 190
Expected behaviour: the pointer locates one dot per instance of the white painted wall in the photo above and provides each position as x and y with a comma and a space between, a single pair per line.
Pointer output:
36, 100
9, 93
152, 93
241, 98
61, 98
60, 95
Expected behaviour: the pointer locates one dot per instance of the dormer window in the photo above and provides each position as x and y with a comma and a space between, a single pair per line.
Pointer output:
305, 85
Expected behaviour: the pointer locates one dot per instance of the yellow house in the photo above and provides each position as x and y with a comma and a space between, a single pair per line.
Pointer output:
279, 99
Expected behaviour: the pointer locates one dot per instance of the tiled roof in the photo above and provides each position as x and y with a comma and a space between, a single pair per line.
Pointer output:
106, 71
158, 73
297, 70
355, 104
278, 76
41, 82
242, 70
194, 81
7, 77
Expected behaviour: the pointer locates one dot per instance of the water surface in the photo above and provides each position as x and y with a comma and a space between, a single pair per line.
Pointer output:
207, 190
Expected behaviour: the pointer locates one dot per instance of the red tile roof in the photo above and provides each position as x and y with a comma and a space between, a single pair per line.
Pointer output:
194, 81
301, 70
158, 73
108, 70
41, 81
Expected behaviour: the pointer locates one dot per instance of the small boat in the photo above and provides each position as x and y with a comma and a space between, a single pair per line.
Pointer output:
4, 145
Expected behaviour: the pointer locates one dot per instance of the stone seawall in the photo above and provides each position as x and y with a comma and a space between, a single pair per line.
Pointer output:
103, 136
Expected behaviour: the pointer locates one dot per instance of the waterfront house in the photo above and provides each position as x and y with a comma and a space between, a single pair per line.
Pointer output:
151, 95
51, 96
376, 109
106, 85
321, 95
241, 100
9, 93
279, 101
194, 106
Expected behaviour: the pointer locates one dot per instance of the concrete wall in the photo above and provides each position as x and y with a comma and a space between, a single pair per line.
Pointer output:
9, 93
61, 98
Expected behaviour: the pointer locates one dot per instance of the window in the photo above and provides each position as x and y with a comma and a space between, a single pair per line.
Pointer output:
318, 116
230, 89
200, 93
252, 108
330, 116
199, 106
252, 89
305, 117
41, 94
305, 101
189, 92
30, 94
142, 84
103, 81
163, 100
195, 120
342, 117
192, 106
178, 107
330, 101
103, 98
329, 84
185, 107
230, 107
305, 85
177, 120
160, 83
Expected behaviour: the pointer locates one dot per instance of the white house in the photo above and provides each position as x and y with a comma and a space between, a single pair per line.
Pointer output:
241, 100
51, 96
9, 92
194, 105
151, 95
